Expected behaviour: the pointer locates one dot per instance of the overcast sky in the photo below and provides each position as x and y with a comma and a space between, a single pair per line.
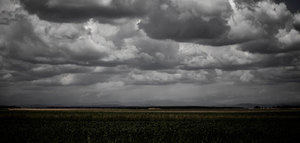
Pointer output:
149, 52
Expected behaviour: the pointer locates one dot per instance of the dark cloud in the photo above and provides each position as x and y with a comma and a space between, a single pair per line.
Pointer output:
264, 46
187, 20
82, 10
224, 23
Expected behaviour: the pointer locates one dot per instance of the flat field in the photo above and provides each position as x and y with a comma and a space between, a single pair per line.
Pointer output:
150, 125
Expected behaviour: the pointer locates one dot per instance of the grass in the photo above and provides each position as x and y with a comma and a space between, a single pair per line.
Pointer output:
129, 125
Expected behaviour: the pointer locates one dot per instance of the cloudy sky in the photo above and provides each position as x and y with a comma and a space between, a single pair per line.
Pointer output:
149, 52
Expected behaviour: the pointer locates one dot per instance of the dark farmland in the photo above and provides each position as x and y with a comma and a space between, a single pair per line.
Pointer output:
154, 125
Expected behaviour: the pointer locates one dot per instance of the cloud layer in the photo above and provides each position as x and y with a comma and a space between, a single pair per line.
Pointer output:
140, 52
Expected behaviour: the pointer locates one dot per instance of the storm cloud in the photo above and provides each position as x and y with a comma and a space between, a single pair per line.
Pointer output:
141, 52
81, 10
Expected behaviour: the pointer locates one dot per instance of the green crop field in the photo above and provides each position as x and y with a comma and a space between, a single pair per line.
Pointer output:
154, 126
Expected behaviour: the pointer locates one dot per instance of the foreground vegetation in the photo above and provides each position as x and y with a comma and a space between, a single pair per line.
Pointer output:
150, 126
